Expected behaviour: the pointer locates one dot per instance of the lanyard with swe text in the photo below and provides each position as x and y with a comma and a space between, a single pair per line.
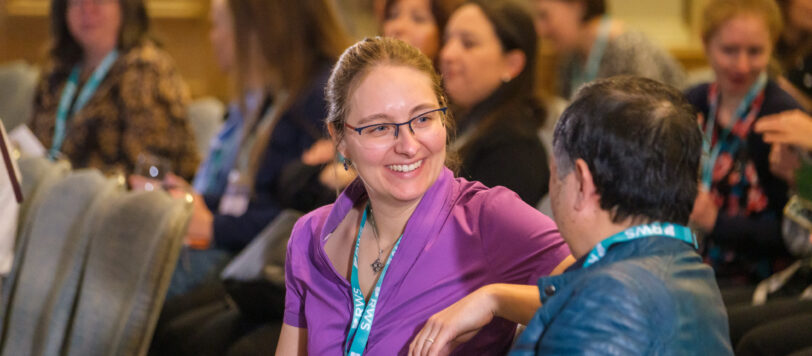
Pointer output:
363, 313
675, 231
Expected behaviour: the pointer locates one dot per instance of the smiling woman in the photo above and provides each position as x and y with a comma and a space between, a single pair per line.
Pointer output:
406, 239
739, 207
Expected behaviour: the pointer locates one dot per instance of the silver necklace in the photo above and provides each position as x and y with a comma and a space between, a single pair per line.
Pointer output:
376, 265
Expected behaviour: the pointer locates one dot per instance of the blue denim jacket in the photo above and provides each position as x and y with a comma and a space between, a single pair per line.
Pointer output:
651, 296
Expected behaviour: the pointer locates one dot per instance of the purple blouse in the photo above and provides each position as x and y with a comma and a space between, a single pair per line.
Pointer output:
461, 236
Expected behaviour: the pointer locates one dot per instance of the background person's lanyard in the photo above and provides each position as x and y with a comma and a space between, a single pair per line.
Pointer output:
748, 108
363, 313
590, 70
69, 92
675, 231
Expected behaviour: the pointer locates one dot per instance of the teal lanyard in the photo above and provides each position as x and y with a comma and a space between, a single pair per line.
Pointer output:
675, 231
745, 110
358, 335
69, 92
593, 61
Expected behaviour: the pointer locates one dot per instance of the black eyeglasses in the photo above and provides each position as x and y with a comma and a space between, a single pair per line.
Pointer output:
380, 133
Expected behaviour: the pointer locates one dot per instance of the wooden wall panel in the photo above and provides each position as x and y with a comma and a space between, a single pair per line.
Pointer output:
180, 25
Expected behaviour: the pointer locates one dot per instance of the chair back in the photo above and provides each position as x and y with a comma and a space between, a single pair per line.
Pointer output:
41, 288
130, 261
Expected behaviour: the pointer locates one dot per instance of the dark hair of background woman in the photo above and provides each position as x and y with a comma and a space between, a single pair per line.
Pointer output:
514, 28
67, 52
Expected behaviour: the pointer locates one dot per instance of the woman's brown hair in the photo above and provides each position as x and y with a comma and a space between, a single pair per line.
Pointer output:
293, 39
357, 61
717, 12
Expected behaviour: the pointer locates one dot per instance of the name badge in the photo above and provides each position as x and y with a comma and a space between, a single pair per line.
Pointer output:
237, 196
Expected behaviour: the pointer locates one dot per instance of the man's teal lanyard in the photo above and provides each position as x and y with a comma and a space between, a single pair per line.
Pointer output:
363, 313
69, 92
675, 231
747, 108
593, 61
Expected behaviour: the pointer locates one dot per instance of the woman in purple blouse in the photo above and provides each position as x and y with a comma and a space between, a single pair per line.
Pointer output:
406, 239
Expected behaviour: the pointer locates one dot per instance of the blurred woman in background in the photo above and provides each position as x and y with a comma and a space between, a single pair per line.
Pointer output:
593, 45
488, 64
419, 23
740, 202
280, 76
108, 93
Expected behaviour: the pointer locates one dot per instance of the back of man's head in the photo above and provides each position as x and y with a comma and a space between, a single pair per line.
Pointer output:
641, 143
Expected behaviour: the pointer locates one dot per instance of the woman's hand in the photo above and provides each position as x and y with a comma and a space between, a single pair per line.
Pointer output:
462, 320
201, 229
141, 183
322, 151
789, 127
454, 325
335, 177
704, 213
784, 161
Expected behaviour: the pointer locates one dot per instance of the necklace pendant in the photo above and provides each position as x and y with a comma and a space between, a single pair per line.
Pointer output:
377, 266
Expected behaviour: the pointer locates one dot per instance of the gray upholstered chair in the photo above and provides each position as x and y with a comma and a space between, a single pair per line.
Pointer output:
18, 81
42, 285
130, 261
206, 118
38, 175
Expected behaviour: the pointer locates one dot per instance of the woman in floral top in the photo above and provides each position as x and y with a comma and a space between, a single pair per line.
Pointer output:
108, 93
739, 207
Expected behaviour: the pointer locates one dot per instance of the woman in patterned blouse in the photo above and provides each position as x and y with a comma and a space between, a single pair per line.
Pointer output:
108, 93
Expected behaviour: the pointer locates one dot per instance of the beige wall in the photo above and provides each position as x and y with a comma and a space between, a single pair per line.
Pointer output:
182, 26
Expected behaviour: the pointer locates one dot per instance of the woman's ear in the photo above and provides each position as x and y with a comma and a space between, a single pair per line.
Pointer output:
341, 147
515, 61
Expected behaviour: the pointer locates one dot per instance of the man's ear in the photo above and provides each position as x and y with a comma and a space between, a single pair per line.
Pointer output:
341, 147
587, 193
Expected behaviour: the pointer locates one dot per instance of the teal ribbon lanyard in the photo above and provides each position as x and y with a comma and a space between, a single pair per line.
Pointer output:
675, 231
363, 313
69, 92
593, 61
745, 109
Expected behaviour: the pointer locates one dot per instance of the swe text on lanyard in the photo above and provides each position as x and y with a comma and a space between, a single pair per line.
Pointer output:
363, 313
675, 231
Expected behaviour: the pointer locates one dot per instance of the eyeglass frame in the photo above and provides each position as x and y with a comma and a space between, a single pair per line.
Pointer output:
359, 130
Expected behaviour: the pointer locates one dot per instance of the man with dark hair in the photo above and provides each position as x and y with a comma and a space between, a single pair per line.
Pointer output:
624, 178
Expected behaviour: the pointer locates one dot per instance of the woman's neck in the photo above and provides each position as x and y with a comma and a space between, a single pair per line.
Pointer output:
390, 218
728, 104
92, 59
589, 33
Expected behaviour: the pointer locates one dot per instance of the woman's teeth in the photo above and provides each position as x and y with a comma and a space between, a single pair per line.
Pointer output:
406, 167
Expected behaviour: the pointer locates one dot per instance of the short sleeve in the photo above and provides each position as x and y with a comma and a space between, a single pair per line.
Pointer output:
295, 264
520, 243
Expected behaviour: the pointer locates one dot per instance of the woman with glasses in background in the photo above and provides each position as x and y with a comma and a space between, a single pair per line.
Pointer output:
406, 238
109, 93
